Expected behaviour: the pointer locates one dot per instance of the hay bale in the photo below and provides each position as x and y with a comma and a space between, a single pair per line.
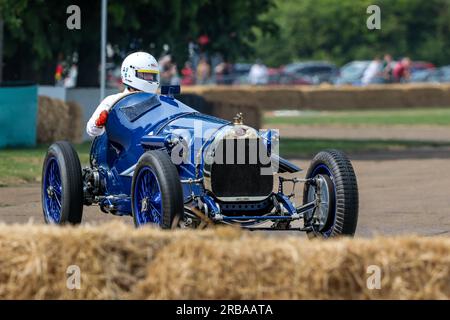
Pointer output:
117, 261
327, 97
228, 110
224, 109
58, 120
288, 268
266, 97
112, 258
77, 122
53, 116
34, 266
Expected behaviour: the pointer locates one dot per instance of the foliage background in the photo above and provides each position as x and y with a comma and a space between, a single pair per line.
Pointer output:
336, 30
276, 31
36, 33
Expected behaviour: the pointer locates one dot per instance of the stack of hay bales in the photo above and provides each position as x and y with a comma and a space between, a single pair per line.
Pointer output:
376, 97
224, 109
228, 110
58, 120
328, 97
116, 261
77, 122
289, 268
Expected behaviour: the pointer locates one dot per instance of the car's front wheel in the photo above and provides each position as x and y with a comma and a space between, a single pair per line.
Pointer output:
336, 188
156, 192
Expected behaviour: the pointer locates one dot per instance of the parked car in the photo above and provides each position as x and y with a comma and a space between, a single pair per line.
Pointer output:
113, 76
313, 72
241, 68
274, 75
421, 65
152, 164
352, 72
423, 75
240, 73
438, 75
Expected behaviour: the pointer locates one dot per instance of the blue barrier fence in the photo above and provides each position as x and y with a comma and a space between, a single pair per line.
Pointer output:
18, 113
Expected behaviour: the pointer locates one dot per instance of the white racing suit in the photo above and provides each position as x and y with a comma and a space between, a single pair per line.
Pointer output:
105, 105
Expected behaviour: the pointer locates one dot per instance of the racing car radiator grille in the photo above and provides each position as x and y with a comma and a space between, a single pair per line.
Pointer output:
241, 169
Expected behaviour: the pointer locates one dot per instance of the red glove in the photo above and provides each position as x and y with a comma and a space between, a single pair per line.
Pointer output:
101, 120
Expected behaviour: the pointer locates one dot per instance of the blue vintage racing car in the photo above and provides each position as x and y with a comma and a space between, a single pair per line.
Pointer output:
164, 163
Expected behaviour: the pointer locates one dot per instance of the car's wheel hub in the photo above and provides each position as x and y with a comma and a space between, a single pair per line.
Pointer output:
50, 191
144, 204
321, 193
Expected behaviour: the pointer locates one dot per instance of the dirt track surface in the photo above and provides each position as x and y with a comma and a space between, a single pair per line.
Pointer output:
397, 196
367, 132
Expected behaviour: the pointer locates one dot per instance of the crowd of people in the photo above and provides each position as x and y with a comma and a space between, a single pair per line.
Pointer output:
66, 74
200, 72
201, 69
204, 71
387, 71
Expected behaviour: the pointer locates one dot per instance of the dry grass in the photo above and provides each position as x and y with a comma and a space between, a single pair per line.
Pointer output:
77, 123
328, 97
58, 120
118, 262
226, 110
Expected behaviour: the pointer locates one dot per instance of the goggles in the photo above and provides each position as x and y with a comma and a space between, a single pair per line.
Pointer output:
147, 75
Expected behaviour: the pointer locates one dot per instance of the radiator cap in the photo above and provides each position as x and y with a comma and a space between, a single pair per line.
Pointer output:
238, 118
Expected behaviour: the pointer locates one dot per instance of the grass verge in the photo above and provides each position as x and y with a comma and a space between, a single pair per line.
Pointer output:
24, 165
295, 147
414, 116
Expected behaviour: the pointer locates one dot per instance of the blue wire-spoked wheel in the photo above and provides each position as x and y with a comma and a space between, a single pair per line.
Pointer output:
338, 212
156, 192
147, 200
52, 192
62, 185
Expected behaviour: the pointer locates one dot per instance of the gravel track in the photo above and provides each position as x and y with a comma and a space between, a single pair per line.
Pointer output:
397, 196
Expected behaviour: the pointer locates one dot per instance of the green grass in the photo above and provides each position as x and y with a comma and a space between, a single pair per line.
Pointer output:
294, 147
24, 165
415, 116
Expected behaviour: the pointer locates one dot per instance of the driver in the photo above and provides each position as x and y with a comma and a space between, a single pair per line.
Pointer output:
140, 72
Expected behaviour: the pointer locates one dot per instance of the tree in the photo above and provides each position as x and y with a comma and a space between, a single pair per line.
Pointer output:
337, 31
9, 12
32, 45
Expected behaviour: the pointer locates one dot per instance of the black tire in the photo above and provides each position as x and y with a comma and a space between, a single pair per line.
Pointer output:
169, 183
71, 180
345, 197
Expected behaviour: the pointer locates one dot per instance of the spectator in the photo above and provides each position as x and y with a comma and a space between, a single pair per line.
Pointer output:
402, 71
174, 77
371, 72
59, 71
71, 80
168, 70
258, 74
187, 74
203, 71
223, 73
386, 68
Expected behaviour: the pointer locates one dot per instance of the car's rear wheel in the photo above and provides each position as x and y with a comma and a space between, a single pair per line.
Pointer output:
157, 195
337, 213
62, 185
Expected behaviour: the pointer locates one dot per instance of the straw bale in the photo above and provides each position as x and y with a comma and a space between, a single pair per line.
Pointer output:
58, 120
117, 261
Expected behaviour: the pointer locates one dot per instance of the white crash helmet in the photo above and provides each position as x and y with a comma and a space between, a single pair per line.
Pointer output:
140, 71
